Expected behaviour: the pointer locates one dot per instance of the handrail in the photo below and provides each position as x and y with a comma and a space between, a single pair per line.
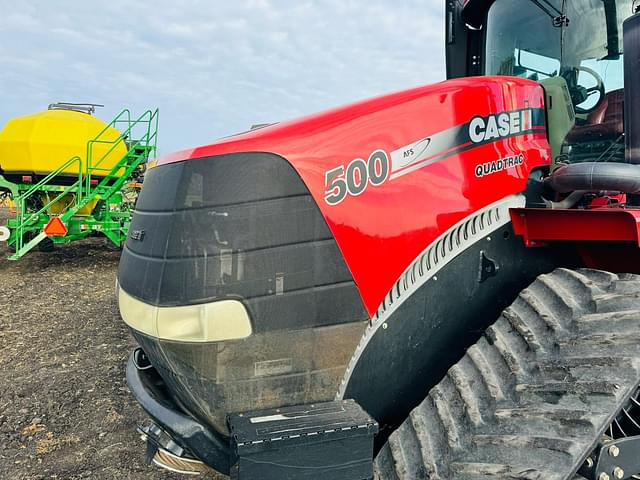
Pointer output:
82, 187
22, 200
141, 120
110, 189
64, 192
46, 179
113, 122
56, 172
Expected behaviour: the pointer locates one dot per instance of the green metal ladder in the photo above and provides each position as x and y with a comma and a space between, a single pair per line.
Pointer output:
94, 181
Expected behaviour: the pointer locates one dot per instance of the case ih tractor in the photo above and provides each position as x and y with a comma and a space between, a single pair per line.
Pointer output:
440, 283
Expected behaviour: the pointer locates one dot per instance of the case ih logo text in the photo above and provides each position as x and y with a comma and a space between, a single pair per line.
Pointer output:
356, 178
500, 125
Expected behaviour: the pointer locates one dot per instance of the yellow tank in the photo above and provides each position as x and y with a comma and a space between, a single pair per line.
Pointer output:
41, 142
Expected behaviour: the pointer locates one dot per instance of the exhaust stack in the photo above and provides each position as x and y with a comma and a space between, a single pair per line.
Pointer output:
632, 88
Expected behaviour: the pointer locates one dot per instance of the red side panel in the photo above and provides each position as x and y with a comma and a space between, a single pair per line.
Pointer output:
439, 153
606, 237
539, 226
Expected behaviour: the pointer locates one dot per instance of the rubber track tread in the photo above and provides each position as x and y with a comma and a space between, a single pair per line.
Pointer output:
531, 398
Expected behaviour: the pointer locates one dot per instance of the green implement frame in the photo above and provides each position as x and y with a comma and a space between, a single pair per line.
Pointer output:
109, 188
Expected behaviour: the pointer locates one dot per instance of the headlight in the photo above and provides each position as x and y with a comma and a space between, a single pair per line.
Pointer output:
207, 322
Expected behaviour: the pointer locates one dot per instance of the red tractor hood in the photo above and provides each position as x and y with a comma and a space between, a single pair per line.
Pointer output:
391, 174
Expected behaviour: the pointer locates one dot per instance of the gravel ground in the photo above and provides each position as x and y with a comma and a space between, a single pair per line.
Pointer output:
65, 409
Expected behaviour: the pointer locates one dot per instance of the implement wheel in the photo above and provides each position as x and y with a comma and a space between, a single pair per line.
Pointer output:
46, 245
537, 394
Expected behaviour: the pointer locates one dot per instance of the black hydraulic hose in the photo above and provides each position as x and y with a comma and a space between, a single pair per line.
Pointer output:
572, 199
595, 177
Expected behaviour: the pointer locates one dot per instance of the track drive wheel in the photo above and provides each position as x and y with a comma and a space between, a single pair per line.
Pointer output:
534, 397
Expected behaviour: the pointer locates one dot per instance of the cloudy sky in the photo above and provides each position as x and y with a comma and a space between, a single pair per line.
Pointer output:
214, 67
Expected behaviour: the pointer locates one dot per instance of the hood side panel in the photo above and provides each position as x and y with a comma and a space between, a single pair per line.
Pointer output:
444, 164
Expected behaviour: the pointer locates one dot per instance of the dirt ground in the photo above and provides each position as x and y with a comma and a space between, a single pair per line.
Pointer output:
65, 409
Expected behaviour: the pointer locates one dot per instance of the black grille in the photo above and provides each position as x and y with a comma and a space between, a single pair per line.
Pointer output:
237, 226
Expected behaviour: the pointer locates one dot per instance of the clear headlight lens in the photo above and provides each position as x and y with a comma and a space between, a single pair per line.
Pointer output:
208, 322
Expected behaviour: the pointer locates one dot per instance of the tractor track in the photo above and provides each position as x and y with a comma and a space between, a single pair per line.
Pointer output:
528, 401
531, 399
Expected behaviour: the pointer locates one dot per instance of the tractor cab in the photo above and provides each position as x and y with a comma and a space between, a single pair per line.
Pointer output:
575, 49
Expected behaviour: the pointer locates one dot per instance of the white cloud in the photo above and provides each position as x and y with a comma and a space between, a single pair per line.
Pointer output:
214, 67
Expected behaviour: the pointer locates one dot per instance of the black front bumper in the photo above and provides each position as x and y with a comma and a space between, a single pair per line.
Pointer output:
150, 391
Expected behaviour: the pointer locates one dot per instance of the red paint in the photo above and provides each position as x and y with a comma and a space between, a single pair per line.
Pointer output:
381, 231
608, 200
605, 238
610, 224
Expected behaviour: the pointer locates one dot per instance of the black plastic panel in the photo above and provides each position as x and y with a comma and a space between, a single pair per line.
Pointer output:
264, 370
323, 440
218, 181
240, 226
